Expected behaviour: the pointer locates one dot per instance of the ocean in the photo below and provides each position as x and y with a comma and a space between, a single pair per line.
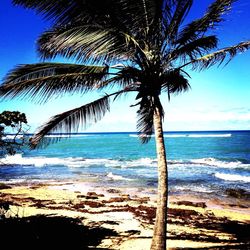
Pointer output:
199, 162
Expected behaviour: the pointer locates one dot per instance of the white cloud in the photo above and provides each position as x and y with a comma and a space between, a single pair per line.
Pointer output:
213, 119
208, 116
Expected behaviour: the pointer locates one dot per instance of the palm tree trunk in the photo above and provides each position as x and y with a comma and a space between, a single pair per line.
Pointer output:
160, 227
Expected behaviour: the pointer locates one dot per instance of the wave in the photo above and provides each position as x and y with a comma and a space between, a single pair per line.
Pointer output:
210, 162
233, 177
213, 162
41, 161
197, 135
188, 135
66, 136
116, 177
193, 188
208, 135
12, 137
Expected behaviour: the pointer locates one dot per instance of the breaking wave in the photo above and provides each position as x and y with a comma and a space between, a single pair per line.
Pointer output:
40, 161
188, 135
233, 177
116, 177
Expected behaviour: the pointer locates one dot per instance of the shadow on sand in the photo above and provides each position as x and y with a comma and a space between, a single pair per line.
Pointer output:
238, 233
50, 232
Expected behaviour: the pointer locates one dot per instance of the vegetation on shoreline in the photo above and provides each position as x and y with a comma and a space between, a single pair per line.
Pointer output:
12, 122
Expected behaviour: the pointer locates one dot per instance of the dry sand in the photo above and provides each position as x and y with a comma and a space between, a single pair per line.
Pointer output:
125, 217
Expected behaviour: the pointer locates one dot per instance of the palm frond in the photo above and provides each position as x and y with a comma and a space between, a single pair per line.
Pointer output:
70, 121
62, 11
130, 74
145, 117
116, 81
145, 120
174, 82
139, 17
127, 15
212, 17
193, 49
181, 9
218, 57
43, 80
87, 43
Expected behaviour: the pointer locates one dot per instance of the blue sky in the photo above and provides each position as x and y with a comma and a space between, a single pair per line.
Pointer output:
219, 98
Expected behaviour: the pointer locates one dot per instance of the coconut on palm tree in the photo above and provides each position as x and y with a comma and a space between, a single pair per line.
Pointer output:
139, 46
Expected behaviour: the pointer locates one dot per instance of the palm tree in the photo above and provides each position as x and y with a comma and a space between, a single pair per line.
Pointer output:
140, 46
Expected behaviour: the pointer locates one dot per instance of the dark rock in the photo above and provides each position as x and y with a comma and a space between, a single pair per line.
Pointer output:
4, 186
117, 199
93, 204
93, 195
182, 212
113, 191
81, 196
192, 204
79, 205
144, 199
238, 193
126, 196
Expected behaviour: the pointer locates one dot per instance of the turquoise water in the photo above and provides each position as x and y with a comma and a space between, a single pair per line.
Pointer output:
205, 162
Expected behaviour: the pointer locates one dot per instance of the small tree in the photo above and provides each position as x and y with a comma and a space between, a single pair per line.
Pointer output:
12, 133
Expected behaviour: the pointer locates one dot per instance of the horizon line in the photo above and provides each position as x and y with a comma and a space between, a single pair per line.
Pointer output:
134, 132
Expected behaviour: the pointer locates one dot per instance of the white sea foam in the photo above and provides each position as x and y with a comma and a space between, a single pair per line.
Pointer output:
116, 177
12, 137
82, 187
66, 136
175, 136
218, 163
29, 180
188, 135
211, 162
197, 135
140, 162
233, 177
74, 162
208, 135
132, 135
40, 161
199, 189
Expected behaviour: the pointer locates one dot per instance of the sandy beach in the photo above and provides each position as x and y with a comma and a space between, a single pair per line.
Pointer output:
108, 218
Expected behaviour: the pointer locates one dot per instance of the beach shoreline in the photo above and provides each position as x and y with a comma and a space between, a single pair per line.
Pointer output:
193, 222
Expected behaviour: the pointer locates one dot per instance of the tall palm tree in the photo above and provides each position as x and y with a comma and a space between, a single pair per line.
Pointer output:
140, 46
